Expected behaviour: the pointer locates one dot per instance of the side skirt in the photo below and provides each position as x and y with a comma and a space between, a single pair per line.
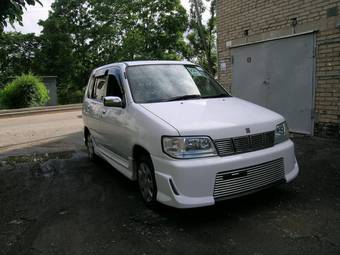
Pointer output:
114, 160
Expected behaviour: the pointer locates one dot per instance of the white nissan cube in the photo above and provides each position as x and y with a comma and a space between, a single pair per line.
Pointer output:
185, 140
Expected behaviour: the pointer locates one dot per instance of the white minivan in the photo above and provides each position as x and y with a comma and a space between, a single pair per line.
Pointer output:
188, 142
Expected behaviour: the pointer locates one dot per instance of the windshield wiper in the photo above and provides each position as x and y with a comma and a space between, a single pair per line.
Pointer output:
217, 96
186, 97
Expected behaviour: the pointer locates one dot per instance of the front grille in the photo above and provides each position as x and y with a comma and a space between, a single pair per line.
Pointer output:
244, 144
243, 180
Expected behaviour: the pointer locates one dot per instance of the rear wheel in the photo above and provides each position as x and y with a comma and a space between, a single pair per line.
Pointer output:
90, 148
146, 180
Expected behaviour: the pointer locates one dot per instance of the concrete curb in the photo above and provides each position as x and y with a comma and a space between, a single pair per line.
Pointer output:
38, 110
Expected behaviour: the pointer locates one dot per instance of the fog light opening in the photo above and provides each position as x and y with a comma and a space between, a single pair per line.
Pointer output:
173, 187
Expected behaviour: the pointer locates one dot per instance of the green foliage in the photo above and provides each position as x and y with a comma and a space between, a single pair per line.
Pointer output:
73, 97
205, 56
25, 91
18, 54
81, 35
12, 10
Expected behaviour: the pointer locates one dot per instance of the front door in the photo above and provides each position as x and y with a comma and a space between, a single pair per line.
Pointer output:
114, 120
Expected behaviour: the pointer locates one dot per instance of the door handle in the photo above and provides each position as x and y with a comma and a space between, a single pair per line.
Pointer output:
103, 112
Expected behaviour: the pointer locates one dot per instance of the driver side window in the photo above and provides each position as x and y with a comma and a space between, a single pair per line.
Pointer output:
113, 87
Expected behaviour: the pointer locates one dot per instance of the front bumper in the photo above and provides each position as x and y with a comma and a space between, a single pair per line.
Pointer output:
190, 183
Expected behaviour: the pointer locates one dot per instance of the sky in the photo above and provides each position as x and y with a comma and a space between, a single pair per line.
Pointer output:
31, 17
34, 13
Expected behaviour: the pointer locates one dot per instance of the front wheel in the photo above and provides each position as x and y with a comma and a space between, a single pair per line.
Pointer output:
146, 180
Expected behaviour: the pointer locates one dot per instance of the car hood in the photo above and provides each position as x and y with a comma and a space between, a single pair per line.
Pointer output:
217, 118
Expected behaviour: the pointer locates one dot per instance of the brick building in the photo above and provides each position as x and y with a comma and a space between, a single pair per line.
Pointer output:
285, 55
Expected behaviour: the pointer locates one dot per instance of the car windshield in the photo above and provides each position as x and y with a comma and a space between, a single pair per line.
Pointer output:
164, 83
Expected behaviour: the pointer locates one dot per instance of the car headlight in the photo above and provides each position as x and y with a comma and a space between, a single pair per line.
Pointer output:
281, 133
188, 147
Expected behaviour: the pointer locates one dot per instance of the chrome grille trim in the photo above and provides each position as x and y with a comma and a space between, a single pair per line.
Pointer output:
257, 176
243, 144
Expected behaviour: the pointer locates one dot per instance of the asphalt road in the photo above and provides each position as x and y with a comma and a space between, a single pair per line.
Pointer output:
34, 134
58, 202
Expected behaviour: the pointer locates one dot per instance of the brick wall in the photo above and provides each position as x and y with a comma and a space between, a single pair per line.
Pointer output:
245, 21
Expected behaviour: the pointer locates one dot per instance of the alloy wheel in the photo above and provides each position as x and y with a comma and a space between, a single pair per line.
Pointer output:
145, 182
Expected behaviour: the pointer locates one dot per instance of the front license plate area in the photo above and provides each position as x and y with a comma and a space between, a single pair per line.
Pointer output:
234, 175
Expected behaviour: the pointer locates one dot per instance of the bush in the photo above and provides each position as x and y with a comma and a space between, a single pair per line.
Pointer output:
26, 90
71, 97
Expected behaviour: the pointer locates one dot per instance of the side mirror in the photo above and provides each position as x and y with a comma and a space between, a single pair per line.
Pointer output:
113, 102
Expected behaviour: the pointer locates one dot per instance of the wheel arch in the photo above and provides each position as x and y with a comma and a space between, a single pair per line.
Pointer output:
140, 151
137, 151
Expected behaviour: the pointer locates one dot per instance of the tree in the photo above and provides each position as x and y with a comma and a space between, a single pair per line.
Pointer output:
17, 54
12, 10
202, 37
80, 35
153, 29
56, 55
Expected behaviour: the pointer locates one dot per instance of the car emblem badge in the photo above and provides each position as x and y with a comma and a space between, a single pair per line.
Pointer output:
248, 130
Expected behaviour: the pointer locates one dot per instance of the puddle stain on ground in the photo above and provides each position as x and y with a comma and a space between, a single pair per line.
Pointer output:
36, 158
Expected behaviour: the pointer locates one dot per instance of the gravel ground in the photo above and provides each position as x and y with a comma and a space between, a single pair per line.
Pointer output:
61, 203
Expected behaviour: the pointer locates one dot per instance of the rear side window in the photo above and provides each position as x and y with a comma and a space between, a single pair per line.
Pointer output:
90, 88
99, 89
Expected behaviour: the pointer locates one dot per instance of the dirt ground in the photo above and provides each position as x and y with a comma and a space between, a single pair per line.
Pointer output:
58, 202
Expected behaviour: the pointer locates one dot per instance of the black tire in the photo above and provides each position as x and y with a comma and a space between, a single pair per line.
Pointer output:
146, 180
90, 148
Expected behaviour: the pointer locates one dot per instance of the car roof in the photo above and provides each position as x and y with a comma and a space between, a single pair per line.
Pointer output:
157, 62
147, 62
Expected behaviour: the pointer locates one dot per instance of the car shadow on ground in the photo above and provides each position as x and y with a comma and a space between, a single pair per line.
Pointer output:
269, 198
